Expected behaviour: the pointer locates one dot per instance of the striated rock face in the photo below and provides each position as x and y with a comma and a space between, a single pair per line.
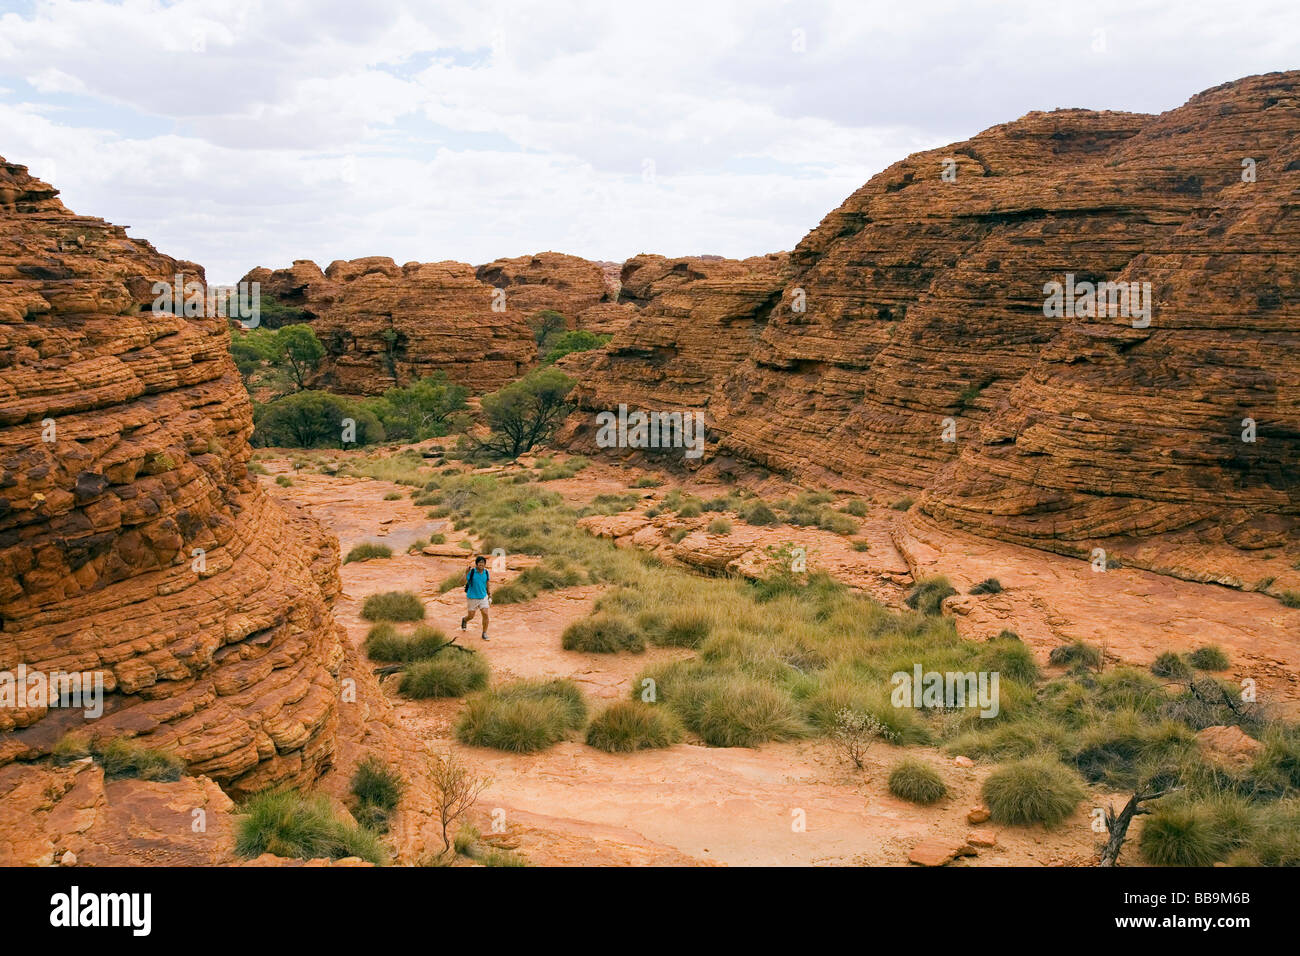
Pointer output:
697, 319
133, 543
918, 306
384, 324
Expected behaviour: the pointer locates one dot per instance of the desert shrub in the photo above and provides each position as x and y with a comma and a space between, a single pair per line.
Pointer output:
376, 791
1178, 835
677, 534
449, 674
836, 523
733, 710
602, 634
393, 496
393, 606
550, 574
1289, 598
284, 481
1033, 790
647, 481
1170, 664
987, 586
1010, 658
1075, 655
854, 733
757, 512
1115, 749
677, 628
368, 550
1209, 658
607, 504
128, 758
928, 594
720, 526
499, 857
257, 468
856, 507
522, 717
289, 824
861, 545
902, 504
917, 782
629, 725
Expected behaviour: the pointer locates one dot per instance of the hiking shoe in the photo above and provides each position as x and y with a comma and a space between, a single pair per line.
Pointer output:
484, 635
462, 624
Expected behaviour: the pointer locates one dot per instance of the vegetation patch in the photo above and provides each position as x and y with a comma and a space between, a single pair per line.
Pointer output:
630, 725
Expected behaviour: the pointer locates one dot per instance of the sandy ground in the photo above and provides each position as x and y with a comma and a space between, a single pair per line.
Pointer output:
781, 804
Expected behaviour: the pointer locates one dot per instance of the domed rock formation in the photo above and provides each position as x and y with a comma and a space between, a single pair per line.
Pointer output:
134, 545
910, 345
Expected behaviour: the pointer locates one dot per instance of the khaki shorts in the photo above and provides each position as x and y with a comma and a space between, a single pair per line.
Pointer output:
475, 604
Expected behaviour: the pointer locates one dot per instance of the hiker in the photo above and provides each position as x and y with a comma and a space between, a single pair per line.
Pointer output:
476, 593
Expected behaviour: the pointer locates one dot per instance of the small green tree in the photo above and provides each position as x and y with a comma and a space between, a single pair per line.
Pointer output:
298, 347
579, 340
546, 324
526, 413
420, 410
313, 420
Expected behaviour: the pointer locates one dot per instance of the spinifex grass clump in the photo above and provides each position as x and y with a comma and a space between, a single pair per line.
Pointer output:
368, 550
1209, 658
602, 634
121, 757
928, 595
1035, 790
1169, 664
385, 644
393, 606
918, 782
376, 791
630, 725
553, 573
452, 673
522, 717
289, 824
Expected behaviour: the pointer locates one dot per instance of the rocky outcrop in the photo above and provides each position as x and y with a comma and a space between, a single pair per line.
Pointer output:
915, 314
697, 320
134, 546
383, 324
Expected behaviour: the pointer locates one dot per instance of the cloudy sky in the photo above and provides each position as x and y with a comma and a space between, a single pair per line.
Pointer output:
253, 132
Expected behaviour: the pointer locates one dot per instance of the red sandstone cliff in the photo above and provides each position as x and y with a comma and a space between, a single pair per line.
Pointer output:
123, 445
921, 299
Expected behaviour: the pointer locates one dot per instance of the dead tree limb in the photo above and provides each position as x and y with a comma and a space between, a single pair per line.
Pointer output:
396, 668
1117, 824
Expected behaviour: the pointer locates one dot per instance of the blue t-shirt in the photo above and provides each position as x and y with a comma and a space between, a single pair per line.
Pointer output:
477, 581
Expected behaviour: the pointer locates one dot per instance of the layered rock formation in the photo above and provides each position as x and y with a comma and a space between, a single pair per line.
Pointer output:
915, 312
384, 324
134, 546
697, 319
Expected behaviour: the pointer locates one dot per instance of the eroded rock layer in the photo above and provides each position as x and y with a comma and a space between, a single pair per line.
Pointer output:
133, 543
915, 312
384, 324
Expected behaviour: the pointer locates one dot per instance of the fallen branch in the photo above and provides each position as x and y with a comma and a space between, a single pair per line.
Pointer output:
1117, 824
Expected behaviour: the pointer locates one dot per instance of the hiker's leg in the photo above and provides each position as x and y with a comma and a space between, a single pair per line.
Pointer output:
485, 618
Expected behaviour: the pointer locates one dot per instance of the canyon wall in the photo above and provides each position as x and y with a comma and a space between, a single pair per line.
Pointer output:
384, 324
915, 313
134, 545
